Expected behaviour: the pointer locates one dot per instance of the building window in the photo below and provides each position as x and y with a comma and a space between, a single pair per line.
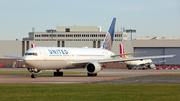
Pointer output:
61, 35
100, 39
118, 35
93, 39
69, 35
99, 44
85, 39
85, 35
44, 39
63, 43
45, 35
52, 35
94, 44
37, 35
69, 39
77, 35
58, 43
101, 35
67, 29
93, 35
37, 40
77, 39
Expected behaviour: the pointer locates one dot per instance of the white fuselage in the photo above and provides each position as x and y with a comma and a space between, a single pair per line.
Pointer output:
44, 58
139, 62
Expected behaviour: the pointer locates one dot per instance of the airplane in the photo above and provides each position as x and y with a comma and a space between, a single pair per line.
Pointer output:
136, 63
58, 58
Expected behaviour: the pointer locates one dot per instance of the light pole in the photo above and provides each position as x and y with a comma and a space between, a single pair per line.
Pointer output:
51, 31
131, 31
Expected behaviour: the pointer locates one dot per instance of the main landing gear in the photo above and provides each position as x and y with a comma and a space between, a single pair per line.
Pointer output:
88, 74
58, 73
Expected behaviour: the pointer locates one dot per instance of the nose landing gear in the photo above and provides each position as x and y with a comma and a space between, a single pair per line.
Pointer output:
33, 75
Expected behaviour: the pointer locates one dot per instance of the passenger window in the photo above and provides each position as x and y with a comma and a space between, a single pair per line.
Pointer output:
35, 54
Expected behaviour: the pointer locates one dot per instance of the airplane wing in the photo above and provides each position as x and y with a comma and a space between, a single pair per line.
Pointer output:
122, 59
15, 57
134, 58
126, 54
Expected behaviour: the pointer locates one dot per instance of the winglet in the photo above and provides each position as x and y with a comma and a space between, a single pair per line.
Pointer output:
108, 41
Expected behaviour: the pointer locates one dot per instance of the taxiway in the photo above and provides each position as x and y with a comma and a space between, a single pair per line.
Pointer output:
106, 76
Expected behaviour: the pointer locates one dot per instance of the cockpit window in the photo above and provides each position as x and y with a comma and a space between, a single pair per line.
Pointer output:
35, 54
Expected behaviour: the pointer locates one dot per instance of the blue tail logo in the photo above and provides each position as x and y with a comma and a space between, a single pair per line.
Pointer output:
108, 41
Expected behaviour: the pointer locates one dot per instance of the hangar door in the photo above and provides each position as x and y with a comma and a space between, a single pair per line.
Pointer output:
151, 51
170, 51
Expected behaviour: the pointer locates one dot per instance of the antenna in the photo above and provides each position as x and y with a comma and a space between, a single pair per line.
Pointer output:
33, 29
117, 29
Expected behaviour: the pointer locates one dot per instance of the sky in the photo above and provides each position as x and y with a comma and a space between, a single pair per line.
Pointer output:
154, 18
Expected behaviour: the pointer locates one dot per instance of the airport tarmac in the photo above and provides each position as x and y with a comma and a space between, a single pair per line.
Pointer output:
106, 76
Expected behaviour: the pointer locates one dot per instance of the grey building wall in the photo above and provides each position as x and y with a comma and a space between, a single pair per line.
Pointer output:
159, 47
11, 48
156, 43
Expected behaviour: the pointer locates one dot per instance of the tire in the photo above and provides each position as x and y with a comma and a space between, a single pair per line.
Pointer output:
33, 75
55, 73
60, 73
88, 74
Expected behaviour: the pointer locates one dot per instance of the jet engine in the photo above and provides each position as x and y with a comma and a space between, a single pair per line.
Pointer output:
93, 68
152, 66
33, 70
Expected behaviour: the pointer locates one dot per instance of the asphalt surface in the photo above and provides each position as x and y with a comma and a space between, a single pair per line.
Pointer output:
106, 76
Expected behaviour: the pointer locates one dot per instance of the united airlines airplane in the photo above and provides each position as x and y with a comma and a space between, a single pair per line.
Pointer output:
58, 58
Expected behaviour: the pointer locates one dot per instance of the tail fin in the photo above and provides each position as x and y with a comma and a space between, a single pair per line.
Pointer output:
121, 48
32, 45
108, 41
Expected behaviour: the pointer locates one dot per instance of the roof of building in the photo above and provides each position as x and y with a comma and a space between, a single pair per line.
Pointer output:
157, 38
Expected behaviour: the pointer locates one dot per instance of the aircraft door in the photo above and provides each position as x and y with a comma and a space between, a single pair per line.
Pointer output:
45, 55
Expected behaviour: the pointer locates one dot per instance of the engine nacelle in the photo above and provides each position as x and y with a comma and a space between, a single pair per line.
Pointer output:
33, 70
152, 66
93, 68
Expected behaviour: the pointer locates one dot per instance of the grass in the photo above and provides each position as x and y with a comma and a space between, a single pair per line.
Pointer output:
88, 92
26, 72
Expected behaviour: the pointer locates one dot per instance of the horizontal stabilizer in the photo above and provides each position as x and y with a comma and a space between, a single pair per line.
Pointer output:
14, 57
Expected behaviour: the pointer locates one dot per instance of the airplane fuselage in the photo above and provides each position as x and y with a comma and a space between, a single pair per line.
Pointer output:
44, 58
139, 62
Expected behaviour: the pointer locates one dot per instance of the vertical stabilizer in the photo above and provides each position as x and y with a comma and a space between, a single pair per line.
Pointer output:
121, 48
32, 45
108, 41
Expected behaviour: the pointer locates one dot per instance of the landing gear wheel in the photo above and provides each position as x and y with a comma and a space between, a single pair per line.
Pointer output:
58, 73
92, 74
33, 75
